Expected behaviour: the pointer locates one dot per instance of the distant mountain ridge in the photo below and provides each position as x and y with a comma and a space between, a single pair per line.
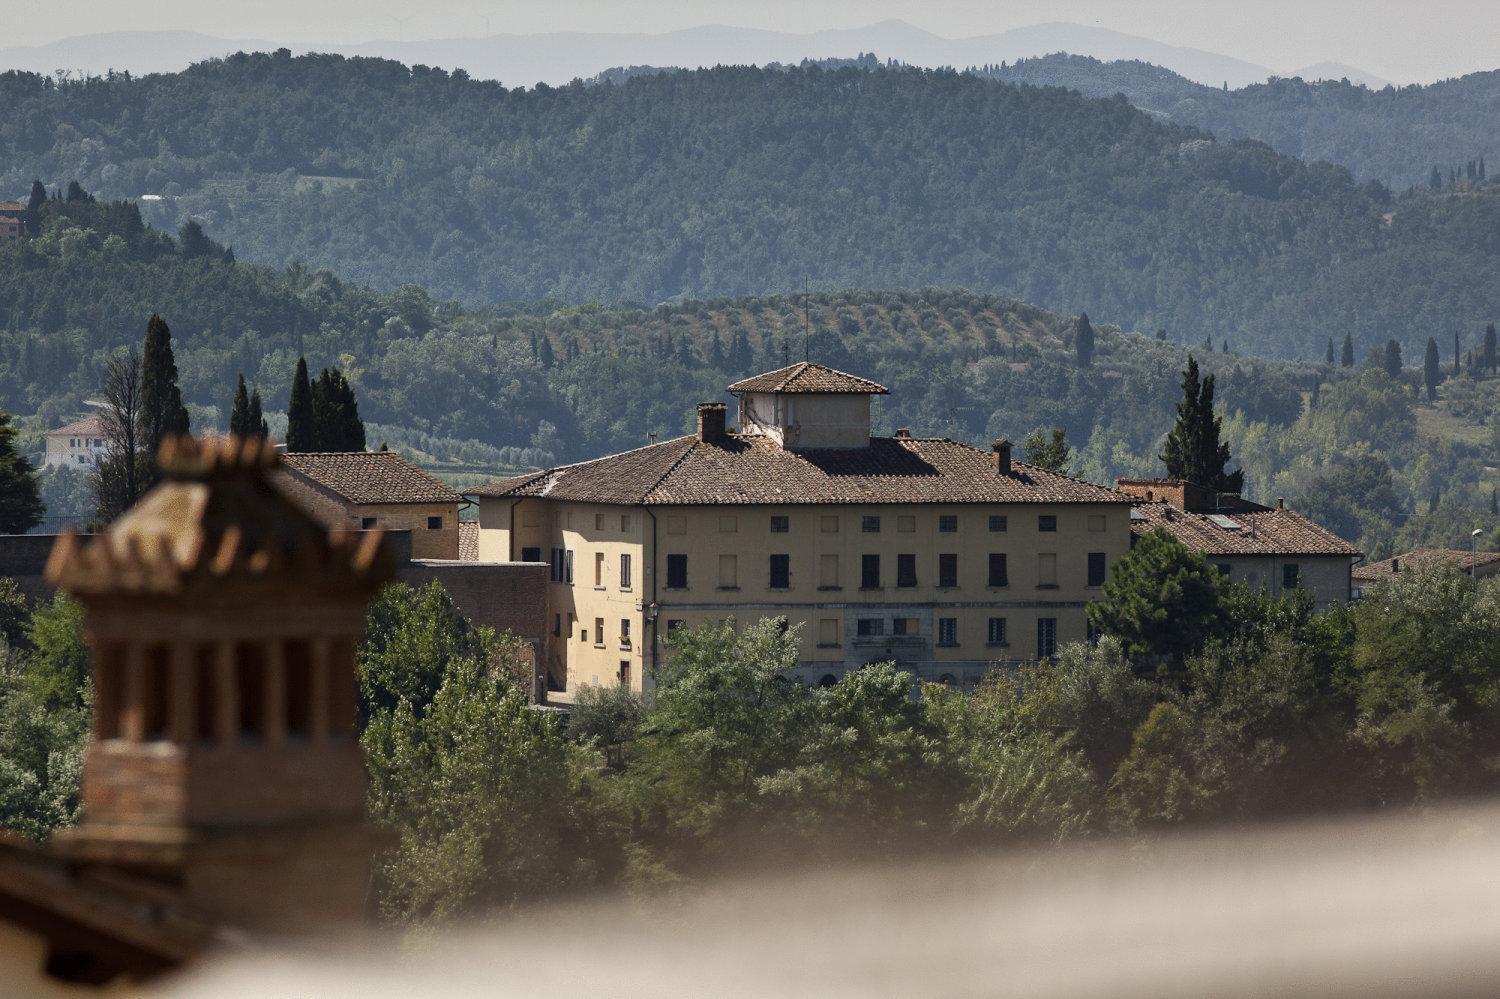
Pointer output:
557, 57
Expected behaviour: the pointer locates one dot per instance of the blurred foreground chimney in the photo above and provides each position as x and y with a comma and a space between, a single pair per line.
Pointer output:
224, 763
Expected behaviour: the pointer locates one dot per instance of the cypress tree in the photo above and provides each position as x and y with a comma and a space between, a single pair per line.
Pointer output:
239, 413
257, 421
1489, 347
1193, 451
1457, 357
544, 352
301, 422
1431, 372
1346, 358
21, 506
162, 411
1391, 359
1085, 342
1330, 350
336, 414
34, 208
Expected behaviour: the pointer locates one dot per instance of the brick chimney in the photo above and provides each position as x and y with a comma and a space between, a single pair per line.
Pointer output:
903, 434
225, 765
1001, 458
711, 423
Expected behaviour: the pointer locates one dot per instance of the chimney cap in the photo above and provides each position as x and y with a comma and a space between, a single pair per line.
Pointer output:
902, 433
1001, 443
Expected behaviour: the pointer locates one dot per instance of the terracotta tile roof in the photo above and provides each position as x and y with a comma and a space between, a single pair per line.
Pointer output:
468, 541
11, 208
805, 376
89, 426
1250, 529
1485, 562
217, 520
755, 470
370, 477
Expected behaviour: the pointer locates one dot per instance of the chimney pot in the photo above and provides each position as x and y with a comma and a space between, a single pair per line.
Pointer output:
903, 434
1002, 457
1281, 502
1395, 565
711, 422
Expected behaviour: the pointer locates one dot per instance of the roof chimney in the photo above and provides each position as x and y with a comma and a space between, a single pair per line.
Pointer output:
1281, 502
1395, 565
1002, 457
903, 434
711, 422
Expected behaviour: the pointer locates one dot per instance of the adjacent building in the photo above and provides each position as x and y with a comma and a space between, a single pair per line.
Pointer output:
938, 555
1481, 564
369, 490
1270, 548
78, 445
12, 220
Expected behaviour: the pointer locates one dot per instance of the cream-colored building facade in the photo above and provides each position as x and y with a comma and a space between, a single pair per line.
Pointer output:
942, 557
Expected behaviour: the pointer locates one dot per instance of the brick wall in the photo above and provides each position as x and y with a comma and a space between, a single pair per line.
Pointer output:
506, 596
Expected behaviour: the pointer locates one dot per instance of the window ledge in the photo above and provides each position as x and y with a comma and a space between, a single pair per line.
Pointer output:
829, 589
779, 589
627, 589
997, 645
947, 645
728, 589
598, 587
1002, 586
872, 589
907, 586
826, 645
599, 645
1046, 586
675, 589
948, 589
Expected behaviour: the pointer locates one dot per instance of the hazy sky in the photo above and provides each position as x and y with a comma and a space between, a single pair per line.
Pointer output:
1414, 42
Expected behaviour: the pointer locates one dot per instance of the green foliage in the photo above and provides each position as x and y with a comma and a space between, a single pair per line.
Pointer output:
301, 417
1053, 455
14, 615
1193, 451
1432, 374
59, 662
607, 717
336, 414
245, 418
162, 412
412, 634
21, 506
1162, 600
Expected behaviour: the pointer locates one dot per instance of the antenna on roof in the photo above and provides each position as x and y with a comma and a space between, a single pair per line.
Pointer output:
806, 326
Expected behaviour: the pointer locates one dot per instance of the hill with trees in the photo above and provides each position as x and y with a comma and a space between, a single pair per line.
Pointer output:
743, 181
474, 392
1395, 135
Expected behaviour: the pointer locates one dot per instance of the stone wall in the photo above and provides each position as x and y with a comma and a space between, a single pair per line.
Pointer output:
506, 596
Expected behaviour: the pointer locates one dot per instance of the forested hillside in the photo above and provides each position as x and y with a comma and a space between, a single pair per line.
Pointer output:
1395, 135
526, 385
745, 181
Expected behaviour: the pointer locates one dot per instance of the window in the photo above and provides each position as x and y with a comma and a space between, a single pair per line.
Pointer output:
999, 575
906, 570
870, 627
677, 572
869, 572
531, 553
568, 567
673, 624
828, 632
625, 672
996, 633
729, 525
870, 525
557, 626
434, 523
366, 523
559, 557
781, 572
598, 521
1046, 637
948, 524
780, 525
1291, 576
1096, 523
1046, 523
583, 636
998, 524
598, 633
598, 570
828, 572
906, 524
1096, 568
1046, 570
624, 523
947, 571
729, 572
624, 632
625, 583
676, 524
828, 524
947, 631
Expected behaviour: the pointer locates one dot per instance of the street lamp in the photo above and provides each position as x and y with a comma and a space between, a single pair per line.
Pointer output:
1474, 556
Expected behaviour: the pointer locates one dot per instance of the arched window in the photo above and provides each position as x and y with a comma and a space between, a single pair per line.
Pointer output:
828, 680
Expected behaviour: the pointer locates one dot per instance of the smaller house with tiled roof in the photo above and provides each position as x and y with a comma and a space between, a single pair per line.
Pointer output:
1271, 548
1481, 564
80, 444
943, 557
364, 490
12, 219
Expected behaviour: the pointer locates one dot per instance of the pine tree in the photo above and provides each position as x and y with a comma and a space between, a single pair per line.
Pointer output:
1489, 347
1391, 359
1053, 455
21, 506
1346, 358
1330, 350
162, 413
1431, 369
1084, 344
1193, 451
301, 422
